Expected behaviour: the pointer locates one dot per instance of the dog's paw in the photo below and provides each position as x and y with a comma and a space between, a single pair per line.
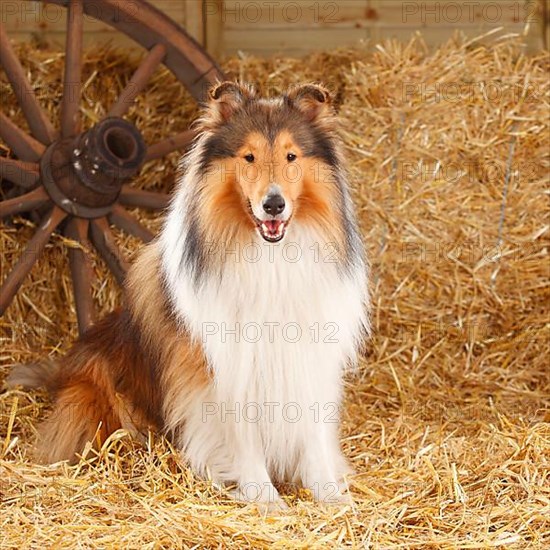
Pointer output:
331, 493
272, 508
339, 500
267, 501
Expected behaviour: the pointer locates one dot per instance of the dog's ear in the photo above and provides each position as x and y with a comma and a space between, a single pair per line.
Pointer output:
225, 98
314, 100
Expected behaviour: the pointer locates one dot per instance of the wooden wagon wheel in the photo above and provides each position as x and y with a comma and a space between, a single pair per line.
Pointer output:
81, 178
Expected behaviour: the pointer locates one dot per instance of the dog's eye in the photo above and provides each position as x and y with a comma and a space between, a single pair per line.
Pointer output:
291, 157
249, 157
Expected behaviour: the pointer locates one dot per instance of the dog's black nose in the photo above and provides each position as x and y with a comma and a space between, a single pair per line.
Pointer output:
274, 204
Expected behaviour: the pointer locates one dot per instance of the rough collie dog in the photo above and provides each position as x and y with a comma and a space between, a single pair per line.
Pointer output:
241, 317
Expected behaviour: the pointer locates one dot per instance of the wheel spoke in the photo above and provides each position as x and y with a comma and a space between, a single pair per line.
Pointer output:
138, 81
24, 174
105, 244
23, 145
29, 256
39, 123
145, 199
73, 69
126, 221
175, 143
24, 203
82, 273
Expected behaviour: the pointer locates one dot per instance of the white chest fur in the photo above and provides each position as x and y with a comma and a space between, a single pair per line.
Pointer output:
278, 325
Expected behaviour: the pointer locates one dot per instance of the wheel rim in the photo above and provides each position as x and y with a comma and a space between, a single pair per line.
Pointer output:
79, 180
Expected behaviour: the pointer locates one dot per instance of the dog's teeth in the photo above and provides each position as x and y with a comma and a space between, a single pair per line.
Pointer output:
274, 233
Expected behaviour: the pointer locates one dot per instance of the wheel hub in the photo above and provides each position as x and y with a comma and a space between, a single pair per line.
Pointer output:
84, 175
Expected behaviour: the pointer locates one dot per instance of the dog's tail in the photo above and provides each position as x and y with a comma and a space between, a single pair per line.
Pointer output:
35, 376
83, 411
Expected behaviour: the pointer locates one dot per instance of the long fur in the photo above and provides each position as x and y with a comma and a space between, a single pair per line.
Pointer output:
232, 346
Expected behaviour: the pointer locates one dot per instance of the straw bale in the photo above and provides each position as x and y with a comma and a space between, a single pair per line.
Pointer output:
446, 421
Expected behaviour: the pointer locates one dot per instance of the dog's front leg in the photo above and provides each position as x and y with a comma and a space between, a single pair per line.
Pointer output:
228, 450
254, 484
323, 466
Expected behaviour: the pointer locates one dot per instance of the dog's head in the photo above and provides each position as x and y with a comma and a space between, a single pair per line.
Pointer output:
270, 161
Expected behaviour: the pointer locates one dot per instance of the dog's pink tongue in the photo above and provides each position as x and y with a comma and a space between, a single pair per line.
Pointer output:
273, 226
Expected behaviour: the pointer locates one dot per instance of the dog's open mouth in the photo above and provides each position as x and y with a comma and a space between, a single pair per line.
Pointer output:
271, 230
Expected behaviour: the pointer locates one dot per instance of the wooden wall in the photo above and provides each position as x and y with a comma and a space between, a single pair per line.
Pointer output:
263, 27
300, 26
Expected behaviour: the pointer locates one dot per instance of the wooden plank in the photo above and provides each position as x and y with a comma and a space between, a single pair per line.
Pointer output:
291, 42
539, 25
214, 28
194, 21
264, 28
22, 15
438, 21
236, 14
451, 13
